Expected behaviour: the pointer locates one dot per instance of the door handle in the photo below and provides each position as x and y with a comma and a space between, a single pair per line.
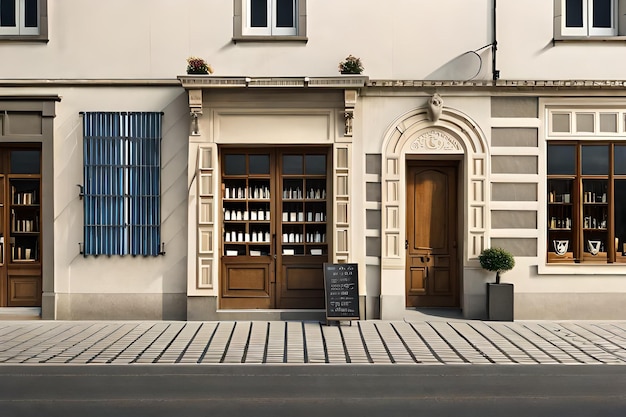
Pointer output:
406, 244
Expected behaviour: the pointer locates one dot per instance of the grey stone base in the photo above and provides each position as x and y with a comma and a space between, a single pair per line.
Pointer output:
570, 306
205, 309
120, 306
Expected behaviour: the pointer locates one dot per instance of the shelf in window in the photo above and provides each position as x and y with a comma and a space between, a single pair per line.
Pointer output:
600, 257
243, 200
595, 229
227, 243
568, 257
560, 229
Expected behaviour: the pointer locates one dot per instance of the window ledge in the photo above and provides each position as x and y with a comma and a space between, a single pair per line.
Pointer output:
589, 269
301, 39
589, 39
24, 38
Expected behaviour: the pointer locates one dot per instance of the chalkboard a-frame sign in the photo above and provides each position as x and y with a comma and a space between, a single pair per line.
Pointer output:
341, 284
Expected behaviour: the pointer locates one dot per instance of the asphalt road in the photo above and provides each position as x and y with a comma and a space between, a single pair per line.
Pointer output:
313, 390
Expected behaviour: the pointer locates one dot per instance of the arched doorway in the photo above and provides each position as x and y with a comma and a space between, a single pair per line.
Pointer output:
453, 141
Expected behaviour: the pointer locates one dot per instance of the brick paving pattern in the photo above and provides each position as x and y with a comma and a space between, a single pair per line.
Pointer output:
294, 342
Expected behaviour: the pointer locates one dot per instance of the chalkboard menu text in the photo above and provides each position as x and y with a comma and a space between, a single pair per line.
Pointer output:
341, 282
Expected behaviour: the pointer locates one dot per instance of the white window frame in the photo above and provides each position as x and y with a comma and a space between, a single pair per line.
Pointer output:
271, 29
587, 29
20, 28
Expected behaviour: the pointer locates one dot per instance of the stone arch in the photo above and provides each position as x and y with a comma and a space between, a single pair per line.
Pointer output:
455, 135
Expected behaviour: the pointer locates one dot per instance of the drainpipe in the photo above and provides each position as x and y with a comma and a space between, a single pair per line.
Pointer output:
494, 46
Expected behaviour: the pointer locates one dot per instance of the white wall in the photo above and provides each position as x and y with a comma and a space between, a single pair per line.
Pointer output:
152, 39
396, 39
526, 51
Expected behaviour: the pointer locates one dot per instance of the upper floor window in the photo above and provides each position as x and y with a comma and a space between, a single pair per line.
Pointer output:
589, 17
23, 19
270, 19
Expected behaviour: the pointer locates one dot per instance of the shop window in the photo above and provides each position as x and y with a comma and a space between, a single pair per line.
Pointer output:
23, 20
586, 202
121, 194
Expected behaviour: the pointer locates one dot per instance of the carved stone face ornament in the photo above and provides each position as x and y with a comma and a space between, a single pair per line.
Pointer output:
435, 106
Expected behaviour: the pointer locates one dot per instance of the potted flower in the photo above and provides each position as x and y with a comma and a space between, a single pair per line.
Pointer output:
197, 65
351, 65
499, 296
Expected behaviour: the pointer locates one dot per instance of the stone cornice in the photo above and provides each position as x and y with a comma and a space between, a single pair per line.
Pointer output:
527, 84
95, 82
210, 81
362, 83
30, 98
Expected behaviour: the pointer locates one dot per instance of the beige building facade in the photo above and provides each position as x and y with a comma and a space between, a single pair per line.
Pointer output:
451, 141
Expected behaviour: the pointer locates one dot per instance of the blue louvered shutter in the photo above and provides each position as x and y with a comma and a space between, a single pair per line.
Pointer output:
122, 173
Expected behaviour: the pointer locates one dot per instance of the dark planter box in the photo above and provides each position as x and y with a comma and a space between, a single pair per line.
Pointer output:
500, 302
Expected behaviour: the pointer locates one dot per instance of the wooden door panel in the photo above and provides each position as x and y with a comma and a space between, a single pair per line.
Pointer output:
441, 281
24, 291
246, 285
430, 198
301, 285
432, 278
417, 282
303, 279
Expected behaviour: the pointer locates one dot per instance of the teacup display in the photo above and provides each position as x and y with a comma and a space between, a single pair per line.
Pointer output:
560, 246
594, 246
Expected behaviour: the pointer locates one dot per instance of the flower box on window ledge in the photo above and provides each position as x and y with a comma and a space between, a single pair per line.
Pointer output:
197, 65
351, 65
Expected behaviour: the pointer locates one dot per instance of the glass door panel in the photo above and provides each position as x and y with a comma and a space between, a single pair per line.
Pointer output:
620, 220
595, 217
561, 220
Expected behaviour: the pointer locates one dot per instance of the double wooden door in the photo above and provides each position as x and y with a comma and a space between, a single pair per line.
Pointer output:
432, 278
275, 205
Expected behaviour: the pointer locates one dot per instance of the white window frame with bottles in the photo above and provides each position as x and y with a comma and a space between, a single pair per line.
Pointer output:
585, 220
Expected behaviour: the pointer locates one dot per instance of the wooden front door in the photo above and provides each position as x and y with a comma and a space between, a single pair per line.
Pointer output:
432, 278
20, 226
275, 234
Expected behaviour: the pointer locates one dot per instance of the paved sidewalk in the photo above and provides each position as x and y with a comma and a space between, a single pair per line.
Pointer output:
295, 342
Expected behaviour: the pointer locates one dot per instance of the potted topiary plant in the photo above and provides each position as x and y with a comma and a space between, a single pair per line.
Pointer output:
499, 295
351, 65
